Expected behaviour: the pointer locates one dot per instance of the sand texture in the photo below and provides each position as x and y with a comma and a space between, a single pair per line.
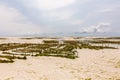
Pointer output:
103, 64
91, 65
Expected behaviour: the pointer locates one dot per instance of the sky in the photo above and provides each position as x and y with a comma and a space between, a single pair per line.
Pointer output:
20, 17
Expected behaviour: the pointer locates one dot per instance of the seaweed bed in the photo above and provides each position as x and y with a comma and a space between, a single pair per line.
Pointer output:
66, 49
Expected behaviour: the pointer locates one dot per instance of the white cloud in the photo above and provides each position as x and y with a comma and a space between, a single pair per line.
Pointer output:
110, 8
105, 10
13, 22
58, 15
76, 21
67, 16
101, 27
50, 4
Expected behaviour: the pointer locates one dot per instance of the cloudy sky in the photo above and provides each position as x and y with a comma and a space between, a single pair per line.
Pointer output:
55, 16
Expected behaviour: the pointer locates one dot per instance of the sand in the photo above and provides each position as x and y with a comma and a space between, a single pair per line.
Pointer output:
91, 65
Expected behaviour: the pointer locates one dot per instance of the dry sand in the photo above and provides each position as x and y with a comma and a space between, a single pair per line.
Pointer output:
91, 65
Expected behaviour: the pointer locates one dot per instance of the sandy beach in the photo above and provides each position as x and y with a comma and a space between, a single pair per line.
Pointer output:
59, 39
90, 65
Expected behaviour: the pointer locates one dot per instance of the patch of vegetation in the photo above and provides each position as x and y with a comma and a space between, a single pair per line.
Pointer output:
56, 50
6, 61
50, 42
3, 38
88, 79
27, 38
66, 49
11, 57
6, 52
9, 46
104, 42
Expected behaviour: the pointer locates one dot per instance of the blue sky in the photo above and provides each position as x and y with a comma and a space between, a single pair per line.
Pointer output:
54, 16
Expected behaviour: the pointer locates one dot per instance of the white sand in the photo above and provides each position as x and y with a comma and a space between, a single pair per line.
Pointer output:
19, 40
95, 64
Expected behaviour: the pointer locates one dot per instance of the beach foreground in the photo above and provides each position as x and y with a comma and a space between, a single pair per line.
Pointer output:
91, 64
